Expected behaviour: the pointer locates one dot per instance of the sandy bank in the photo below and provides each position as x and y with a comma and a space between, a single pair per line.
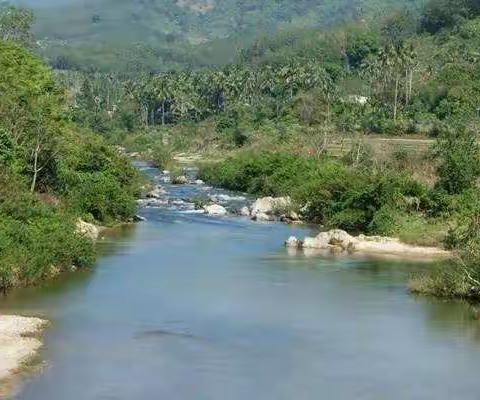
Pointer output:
17, 344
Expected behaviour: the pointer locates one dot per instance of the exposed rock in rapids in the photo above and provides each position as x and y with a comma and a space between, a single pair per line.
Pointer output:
216, 210
293, 242
180, 180
157, 193
261, 216
245, 211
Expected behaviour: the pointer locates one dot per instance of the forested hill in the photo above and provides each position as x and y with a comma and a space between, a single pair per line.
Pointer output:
170, 33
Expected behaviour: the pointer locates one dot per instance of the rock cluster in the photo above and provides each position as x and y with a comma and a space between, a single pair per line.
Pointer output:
340, 241
157, 193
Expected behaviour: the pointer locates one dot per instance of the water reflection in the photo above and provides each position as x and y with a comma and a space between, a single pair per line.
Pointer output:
47, 296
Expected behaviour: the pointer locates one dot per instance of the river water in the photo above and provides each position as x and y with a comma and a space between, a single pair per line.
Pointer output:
190, 307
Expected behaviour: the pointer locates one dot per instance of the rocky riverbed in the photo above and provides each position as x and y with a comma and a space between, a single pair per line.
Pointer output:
189, 195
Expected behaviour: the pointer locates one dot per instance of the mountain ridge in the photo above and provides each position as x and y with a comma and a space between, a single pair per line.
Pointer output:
172, 29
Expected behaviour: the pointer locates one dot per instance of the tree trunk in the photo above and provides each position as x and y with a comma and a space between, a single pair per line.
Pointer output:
145, 116
395, 105
407, 97
163, 112
410, 84
357, 158
36, 170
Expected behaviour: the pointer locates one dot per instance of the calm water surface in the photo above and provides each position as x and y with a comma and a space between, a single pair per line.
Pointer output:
189, 307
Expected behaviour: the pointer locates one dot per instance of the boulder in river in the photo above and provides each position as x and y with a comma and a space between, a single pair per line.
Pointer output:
215, 209
156, 193
293, 242
261, 216
180, 180
337, 240
87, 230
245, 211
291, 217
264, 209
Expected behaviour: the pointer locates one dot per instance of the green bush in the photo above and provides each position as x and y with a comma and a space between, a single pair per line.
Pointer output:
462, 277
97, 181
328, 192
36, 240
161, 156
459, 155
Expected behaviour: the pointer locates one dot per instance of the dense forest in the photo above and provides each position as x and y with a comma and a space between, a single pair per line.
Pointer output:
408, 75
294, 113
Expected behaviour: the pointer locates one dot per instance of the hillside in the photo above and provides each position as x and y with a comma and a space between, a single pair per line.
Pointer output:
179, 32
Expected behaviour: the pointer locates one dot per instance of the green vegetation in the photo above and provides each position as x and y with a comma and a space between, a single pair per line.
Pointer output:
301, 111
330, 192
51, 173
387, 78
327, 94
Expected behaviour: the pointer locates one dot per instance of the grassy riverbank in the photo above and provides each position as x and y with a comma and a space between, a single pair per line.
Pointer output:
372, 199
335, 194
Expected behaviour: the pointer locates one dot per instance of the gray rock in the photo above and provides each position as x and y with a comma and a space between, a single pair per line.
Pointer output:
261, 216
180, 180
156, 193
245, 211
216, 210
87, 230
271, 206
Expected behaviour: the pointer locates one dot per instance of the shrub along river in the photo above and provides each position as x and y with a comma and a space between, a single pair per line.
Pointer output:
189, 307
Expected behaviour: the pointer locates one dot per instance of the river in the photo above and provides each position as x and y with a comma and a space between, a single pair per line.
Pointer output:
190, 307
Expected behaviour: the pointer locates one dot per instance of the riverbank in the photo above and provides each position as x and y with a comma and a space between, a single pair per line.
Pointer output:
337, 195
379, 201
283, 209
18, 344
